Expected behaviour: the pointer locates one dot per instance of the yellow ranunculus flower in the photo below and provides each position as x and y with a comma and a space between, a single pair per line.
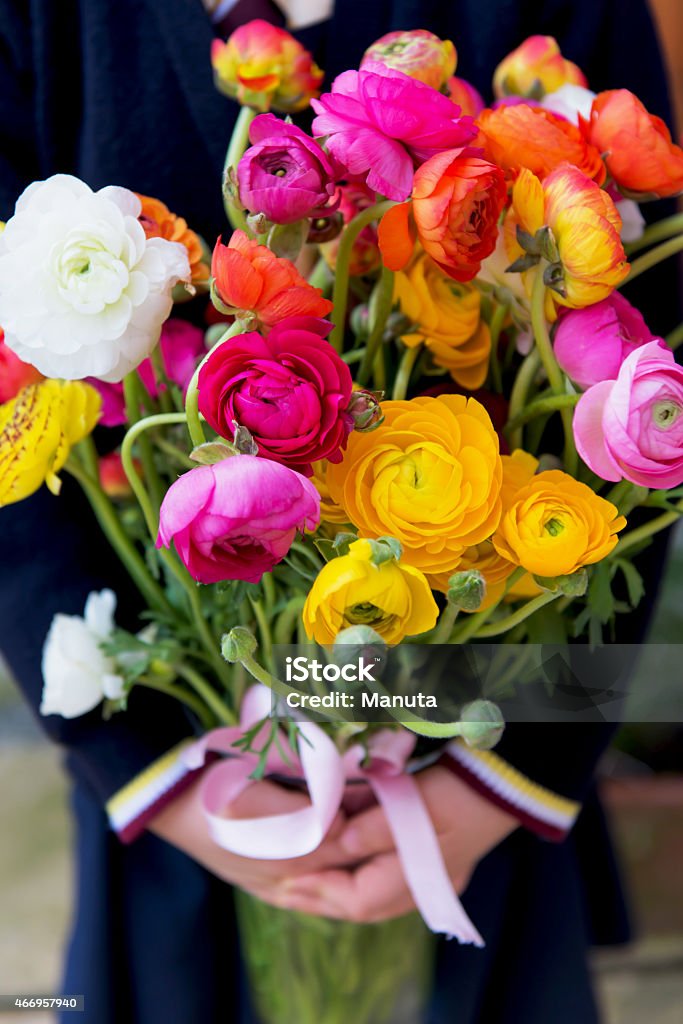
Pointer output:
518, 469
330, 512
37, 430
447, 319
430, 476
585, 227
393, 598
556, 525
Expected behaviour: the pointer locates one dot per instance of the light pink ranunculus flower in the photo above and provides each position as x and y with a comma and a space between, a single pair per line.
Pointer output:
591, 343
631, 428
236, 519
381, 123
182, 347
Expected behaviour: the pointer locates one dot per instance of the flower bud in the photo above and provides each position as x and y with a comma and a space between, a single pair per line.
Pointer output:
574, 585
417, 53
467, 590
365, 410
481, 724
358, 642
238, 644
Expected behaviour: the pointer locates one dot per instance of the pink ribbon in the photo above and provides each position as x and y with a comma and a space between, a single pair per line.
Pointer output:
326, 773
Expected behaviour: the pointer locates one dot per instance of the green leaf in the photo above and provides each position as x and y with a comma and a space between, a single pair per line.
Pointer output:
600, 597
211, 452
633, 580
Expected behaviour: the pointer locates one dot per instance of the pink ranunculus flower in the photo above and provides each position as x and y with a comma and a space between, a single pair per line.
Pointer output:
182, 346
236, 519
380, 124
285, 174
290, 390
631, 428
591, 343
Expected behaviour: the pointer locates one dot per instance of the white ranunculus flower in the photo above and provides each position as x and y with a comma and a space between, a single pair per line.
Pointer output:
77, 675
570, 101
83, 292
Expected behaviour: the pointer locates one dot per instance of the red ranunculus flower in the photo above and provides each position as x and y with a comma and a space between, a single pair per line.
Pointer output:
290, 390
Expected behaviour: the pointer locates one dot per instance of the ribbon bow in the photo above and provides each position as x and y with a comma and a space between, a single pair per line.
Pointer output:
326, 773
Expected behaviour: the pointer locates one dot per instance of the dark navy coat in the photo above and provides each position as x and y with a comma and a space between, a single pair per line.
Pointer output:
120, 92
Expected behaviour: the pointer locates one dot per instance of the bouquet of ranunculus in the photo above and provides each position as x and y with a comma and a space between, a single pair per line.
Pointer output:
421, 414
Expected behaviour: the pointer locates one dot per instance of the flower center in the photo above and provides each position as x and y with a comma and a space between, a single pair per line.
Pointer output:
665, 413
554, 526
89, 275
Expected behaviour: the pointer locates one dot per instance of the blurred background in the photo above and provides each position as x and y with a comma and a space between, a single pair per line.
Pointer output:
641, 782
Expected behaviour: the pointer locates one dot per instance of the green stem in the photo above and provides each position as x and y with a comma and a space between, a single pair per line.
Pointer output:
497, 321
236, 148
181, 694
657, 233
194, 424
510, 621
675, 338
285, 624
162, 381
381, 305
128, 463
653, 257
553, 371
520, 389
110, 524
341, 280
444, 626
132, 388
355, 356
641, 533
207, 694
617, 493
473, 622
320, 276
266, 643
405, 369
538, 408
262, 676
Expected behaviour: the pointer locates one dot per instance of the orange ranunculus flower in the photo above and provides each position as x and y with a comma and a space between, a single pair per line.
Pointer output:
264, 67
518, 470
523, 136
14, 374
556, 525
639, 153
457, 199
446, 317
430, 476
535, 68
415, 52
585, 226
248, 277
159, 222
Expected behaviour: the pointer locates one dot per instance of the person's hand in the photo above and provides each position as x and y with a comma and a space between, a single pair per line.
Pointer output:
468, 827
182, 824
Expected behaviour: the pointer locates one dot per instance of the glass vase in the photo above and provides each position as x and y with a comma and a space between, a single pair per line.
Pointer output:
313, 970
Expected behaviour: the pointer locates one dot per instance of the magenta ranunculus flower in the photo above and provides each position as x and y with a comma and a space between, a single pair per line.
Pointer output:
285, 174
631, 428
182, 346
591, 343
290, 390
380, 123
236, 519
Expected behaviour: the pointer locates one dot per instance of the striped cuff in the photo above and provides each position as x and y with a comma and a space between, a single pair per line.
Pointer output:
131, 808
538, 809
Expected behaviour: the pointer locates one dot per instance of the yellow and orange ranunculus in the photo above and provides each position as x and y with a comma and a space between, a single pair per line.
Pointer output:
446, 317
417, 53
330, 512
264, 67
393, 598
585, 226
523, 136
534, 68
518, 470
159, 222
557, 525
37, 431
430, 476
